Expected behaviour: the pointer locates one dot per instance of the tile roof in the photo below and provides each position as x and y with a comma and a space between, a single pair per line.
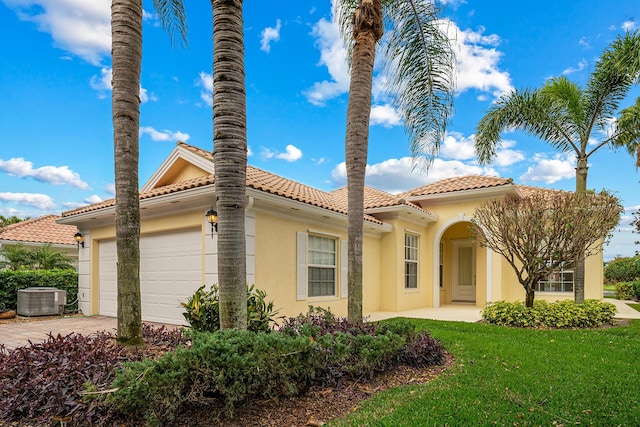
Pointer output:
335, 201
374, 198
459, 183
40, 230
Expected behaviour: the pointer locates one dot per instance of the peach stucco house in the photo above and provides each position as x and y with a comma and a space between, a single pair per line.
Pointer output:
417, 247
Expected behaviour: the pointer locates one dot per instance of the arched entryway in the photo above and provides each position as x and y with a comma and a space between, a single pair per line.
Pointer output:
462, 272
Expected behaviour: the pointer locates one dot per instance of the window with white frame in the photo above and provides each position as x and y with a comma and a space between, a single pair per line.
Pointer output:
321, 266
410, 261
559, 280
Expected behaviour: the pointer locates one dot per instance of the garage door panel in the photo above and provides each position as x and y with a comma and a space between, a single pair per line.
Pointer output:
170, 272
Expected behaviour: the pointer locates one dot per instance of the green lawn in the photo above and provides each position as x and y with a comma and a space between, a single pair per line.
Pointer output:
519, 377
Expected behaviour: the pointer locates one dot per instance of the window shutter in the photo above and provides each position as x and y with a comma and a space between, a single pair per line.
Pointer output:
301, 258
344, 269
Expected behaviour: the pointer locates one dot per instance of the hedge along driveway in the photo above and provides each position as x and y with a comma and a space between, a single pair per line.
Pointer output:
508, 376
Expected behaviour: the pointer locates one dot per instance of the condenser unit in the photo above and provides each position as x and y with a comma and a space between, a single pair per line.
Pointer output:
41, 301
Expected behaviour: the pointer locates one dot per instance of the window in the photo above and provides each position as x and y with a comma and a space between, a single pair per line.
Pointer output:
321, 266
410, 261
560, 280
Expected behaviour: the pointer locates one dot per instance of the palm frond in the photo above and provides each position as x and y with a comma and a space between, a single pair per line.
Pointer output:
420, 64
173, 18
624, 54
628, 131
531, 112
569, 95
608, 85
343, 14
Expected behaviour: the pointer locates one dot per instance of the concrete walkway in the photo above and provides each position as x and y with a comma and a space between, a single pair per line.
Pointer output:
17, 334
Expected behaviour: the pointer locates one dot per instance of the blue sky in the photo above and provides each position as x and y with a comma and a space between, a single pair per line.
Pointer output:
55, 109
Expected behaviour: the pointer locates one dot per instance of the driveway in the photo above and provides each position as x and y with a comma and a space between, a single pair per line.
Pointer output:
17, 334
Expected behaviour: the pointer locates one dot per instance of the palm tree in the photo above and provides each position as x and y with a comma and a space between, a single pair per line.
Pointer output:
230, 159
420, 63
126, 51
567, 117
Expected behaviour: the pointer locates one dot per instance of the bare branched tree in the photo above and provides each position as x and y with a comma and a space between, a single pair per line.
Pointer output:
536, 234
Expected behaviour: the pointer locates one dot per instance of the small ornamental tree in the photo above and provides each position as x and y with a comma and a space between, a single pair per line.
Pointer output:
536, 234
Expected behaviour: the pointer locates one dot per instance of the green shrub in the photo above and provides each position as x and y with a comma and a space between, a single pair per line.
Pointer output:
636, 289
230, 365
623, 270
625, 290
12, 281
203, 310
560, 314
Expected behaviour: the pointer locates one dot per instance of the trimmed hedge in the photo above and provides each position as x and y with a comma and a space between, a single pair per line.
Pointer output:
560, 314
12, 281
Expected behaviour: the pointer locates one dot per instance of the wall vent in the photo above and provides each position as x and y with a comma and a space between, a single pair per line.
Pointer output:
41, 301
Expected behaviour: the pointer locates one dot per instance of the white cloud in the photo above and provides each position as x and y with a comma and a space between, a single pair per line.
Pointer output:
334, 57
56, 175
165, 135
398, 175
291, 154
385, 115
477, 61
456, 146
270, 34
549, 170
93, 199
110, 188
581, 66
505, 156
102, 84
77, 26
628, 25
206, 81
145, 96
266, 154
583, 41
40, 201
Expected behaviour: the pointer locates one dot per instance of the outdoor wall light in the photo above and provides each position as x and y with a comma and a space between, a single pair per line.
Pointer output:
212, 218
79, 239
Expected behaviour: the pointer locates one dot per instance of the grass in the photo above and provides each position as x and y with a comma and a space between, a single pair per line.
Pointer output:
519, 377
609, 287
635, 306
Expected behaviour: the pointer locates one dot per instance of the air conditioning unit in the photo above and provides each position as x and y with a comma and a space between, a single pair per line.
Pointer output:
41, 301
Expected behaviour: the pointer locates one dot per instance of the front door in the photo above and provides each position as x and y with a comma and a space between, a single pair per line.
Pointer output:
464, 274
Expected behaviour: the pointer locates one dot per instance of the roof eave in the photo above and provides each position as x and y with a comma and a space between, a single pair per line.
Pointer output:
404, 209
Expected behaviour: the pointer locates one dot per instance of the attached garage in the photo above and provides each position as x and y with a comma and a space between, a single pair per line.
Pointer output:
170, 271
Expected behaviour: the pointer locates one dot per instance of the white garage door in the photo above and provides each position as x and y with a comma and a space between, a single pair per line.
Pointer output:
170, 271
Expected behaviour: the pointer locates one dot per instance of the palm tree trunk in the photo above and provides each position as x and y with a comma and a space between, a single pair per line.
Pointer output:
230, 159
581, 188
126, 33
367, 32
